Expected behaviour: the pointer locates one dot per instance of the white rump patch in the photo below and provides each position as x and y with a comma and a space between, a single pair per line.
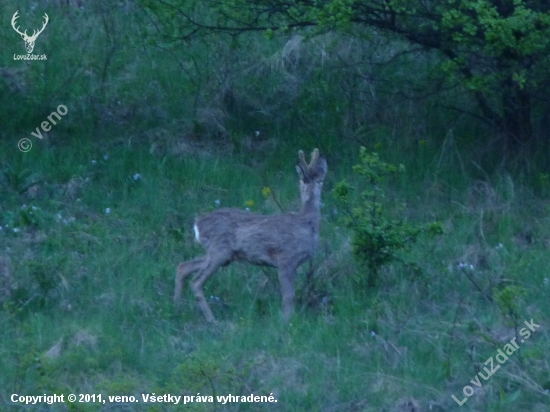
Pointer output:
196, 229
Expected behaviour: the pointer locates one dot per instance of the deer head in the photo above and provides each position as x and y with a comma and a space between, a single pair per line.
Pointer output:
29, 40
311, 179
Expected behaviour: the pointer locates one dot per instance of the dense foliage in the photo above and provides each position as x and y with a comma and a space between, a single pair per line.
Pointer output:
497, 49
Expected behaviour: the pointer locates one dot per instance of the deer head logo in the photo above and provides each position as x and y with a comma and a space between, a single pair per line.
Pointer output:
29, 40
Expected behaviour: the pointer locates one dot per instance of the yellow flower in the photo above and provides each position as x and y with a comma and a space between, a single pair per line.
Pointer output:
266, 191
378, 146
422, 142
249, 203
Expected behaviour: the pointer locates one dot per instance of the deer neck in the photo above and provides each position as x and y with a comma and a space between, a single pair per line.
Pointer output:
311, 201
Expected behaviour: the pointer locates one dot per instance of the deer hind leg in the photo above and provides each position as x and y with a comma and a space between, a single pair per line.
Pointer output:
185, 269
210, 266
286, 280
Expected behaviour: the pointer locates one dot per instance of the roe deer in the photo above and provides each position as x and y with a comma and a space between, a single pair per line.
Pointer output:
283, 241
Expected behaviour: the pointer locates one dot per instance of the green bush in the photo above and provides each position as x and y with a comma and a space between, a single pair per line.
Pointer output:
378, 237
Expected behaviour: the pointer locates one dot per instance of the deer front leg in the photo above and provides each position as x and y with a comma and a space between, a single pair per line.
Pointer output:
185, 269
286, 280
210, 266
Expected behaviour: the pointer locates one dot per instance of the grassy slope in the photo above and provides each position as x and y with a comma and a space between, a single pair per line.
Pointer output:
87, 305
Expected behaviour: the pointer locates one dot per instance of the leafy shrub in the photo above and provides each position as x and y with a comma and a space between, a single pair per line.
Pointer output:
378, 237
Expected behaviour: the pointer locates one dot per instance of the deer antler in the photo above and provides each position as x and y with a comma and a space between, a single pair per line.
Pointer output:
34, 32
13, 19
312, 163
304, 168
314, 158
308, 170
303, 165
46, 19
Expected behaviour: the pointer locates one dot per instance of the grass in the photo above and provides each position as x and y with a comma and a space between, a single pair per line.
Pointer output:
87, 296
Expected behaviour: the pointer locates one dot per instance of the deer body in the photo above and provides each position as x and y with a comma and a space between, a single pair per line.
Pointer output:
283, 241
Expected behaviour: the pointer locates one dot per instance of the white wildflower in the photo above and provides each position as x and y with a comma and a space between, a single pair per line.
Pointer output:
94, 162
106, 157
137, 176
217, 202
108, 210
373, 333
15, 229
